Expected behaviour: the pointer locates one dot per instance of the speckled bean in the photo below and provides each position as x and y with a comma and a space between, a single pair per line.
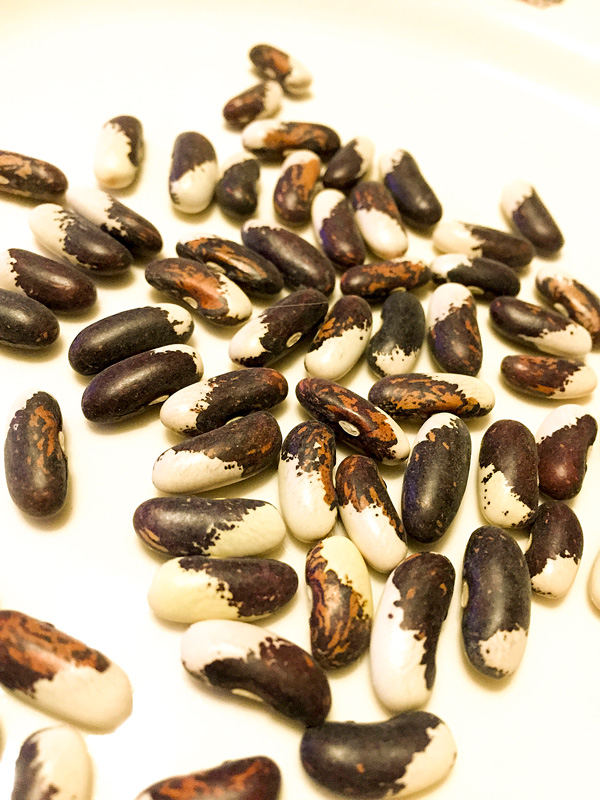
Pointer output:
570, 297
549, 377
395, 347
28, 177
377, 280
296, 186
271, 62
563, 442
271, 139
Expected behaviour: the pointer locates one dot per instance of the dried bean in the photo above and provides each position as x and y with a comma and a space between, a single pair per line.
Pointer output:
119, 152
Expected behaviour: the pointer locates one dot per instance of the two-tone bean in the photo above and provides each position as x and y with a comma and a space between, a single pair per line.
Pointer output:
336, 230
416, 201
524, 209
271, 62
29, 177
570, 297
296, 186
484, 277
555, 549
479, 240
375, 281
193, 174
453, 334
340, 340
349, 164
549, 377
378, 219
271, 139
119, 152
395, 347
257, 102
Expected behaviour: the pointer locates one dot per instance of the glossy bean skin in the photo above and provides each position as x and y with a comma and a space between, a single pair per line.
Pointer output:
68, 235
58, 286
416, 201
238, 186
205, 290
508, 479
377, 280
296, 186
570, 297
26, 323
61, 675
395, 347
53, 762
353, 419
273, 333
342, 604
496, 602
436, 477
394, 758
29, 177
378, 219
300, 263
257, 102
124, 224
544, 330
555, 549
239, 450
548, 377
406, 630
192, 588
349, 164
231, 655
207, 405
524, 209
35, 461
340, 340
335, 228
271, 62
484, 277
368, 514
479, 240
418, 395
132, 385
305, 475
250, 270
271, 139
128, 333
563, 441
254, 778
193, 174
119, 153
453, 334
224, 527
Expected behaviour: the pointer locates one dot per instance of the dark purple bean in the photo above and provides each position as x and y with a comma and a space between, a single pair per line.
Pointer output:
25, 322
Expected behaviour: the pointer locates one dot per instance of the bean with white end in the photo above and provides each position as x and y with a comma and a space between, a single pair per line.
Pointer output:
484, 277
368, 514
300, 263
453, 334
220, 457
271, 62
436, 477
238, 186
507, 474
416, 201
134, 384
549, 377
35, 461
128, 333
223, 527
524, 209
68, 235
29, 177
563, 441
26, 323
58, 286
274, 332
418, 395
254, 778
395, 758
192, 588
53, 763
255, 662
203, 289
349, 164
354, 420
209, 404
544, 330
257, 102
119, 152
272, 139
340, 340
479, 240
61, 675
496, 601
377, 280
406, 630
193, 174
128, 227
342, 603
251, 271
555, 549
570, 297
378, 219
335, 228
296, 186
305, 474
395, 347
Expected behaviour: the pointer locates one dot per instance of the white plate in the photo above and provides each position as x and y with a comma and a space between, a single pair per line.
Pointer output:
480, 93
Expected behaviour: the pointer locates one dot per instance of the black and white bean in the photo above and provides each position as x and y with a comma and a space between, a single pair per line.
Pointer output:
238, 186
563, 441
271, 139
257, 102
336, 230
193, 174
349, 164
271, 62
484, 277
341, 339
395, 347
119, 152
478, 240
453, 333
523, 208
296, 186
570, 297
26, 323
378, 219
549, 377
412, 194
555, 549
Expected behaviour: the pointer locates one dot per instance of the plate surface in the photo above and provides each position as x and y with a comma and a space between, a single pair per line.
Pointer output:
480, 93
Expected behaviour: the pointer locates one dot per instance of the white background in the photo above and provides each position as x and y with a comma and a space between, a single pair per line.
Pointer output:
480, 92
